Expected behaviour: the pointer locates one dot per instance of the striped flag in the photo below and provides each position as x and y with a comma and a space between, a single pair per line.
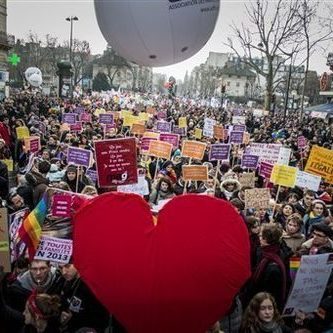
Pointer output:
294, 264
31, 228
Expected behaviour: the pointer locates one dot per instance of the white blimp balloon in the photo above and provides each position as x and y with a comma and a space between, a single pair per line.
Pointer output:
158, 32
35, 80
32, 70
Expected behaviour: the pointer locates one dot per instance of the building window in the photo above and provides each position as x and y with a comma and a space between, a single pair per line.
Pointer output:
237, 84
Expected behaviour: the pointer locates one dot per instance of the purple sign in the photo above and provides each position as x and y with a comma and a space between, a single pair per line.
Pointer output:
161, 115
78, 156
163, 126
92, 174
106, 118
69, 118
85, 117
236, 137
239, 128
77, 127
250, 161
219, 151
236, 112
79, 109
265, 170
170, 138
301, 142
179, 130
145, 142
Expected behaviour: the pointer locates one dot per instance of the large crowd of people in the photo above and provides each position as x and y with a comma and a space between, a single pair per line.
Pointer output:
40, 296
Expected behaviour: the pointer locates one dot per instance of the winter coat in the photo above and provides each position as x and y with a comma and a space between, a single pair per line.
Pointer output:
39, 184
156, 196
4, 180
308, 221
294, 241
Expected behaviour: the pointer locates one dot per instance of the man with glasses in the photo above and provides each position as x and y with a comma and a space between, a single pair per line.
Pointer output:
41, 276
320, 242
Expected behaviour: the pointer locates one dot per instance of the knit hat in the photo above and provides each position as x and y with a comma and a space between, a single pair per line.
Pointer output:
71, 168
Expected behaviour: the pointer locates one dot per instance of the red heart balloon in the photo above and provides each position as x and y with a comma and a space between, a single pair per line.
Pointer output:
178, 276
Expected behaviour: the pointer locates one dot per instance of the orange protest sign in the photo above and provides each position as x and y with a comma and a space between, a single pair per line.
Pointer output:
193, 149
218, 132
160, 149
138, 129
195, 172
151, 110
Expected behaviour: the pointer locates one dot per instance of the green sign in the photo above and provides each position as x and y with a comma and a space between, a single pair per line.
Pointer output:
14, 59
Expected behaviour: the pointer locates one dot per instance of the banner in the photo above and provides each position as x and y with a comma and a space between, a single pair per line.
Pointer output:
257, 198
320, 162
250, 161
306, 180
310, 284
4, 241
163, 126
69, 118
182, 122
116, 162
160, 149
267, 152
22, 132
236, 137
193, 149
170, 138
78, 156
105, 118
195, 172
284, 175
208, 129
219, 152
54, 249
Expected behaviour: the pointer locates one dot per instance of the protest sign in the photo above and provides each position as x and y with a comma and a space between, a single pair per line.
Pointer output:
208, 129
171, 138
128, 121
32, 144
301, 142
239, 128
22, 132
284, 175
9, 164
141, 188
77, 127
195, 172
85, 117
265, 169
258, 113
92, 174
247, 179
78, 156
218, 132
151, 110
238, 120
246, 138
69, 118
236, 112
310, 284
267, 152
181, 131
160, 149
110, 129
79, 109
151, 135
182, 122
284, 156
145, 143
193, 149
161, 115
249, 161
116, 162
61, 205
306, 180
163, 126
105, 118
4, 241
320, 162
138, 129
144, 116
198, 133
54, 249
160, 204
219, 152
257, 198
236, 137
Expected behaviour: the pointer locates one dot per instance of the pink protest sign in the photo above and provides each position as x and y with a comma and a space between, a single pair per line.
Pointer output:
85, 117
61, 205
145, 142
265, 170
170, 138
34, 144
301, 142
77, 127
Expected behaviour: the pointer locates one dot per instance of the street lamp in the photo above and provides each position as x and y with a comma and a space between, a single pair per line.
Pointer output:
71, 19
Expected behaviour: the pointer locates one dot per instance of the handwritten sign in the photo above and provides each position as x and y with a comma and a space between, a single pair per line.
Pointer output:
306, 180
310, 284
257, 198
195, 172
208, 129
266, 152
247, 179
193, 149
54, 249
160, 149
284, 175
116, 162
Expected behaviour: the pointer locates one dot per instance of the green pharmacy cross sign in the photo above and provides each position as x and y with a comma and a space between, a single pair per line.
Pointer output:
14, 59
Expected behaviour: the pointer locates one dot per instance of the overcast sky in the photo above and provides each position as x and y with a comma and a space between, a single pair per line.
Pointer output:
48, 17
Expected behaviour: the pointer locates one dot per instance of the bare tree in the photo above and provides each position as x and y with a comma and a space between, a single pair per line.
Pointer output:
270, 32
81, 54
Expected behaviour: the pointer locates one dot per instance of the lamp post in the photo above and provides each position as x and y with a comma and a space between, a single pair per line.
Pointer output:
71, 19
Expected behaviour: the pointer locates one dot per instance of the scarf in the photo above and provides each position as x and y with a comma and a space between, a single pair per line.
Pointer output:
271, 327
270, 253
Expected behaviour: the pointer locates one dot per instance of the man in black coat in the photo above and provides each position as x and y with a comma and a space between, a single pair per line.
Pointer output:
4, 181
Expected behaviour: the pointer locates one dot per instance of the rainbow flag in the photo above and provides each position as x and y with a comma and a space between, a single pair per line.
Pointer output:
294, 264
31, 228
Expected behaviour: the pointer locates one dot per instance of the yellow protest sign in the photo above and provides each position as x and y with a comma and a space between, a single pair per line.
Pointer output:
130, 120
22, 132
320, 162
182, 122
151, 135
198, 133
124, 113
284, 175
10, 164
144, 116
